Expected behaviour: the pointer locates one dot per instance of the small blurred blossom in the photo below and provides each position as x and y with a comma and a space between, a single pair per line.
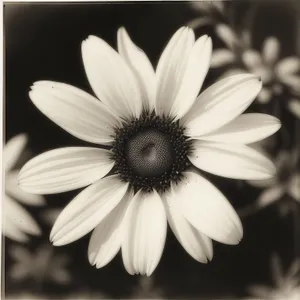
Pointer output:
43, 265
286, 286
285, 182
17, 223
276, 74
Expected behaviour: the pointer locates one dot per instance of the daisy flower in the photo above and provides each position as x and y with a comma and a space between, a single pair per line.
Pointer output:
17, 222
286, 182
286, 284
41, 266
159, 135
276, 74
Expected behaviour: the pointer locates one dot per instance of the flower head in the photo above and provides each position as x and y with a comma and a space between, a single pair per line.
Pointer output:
17, 222
286, 284
159, 132
41, 266
285, 185
277, 74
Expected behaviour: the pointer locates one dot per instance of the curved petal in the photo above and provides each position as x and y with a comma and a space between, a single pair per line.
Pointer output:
145, 233
221, 103
231, 161
270, 50
12, 150
19, 217
245, 129
195, 72
141, 66
12, 188
64, 169
206, 208
106, 239
111, 78
294, 107
293, 187
252, 59
171, 69
87, 210
227, 35
288, 66
196, 244
293, 82
270, 195
221, 58
74, 110
12, 231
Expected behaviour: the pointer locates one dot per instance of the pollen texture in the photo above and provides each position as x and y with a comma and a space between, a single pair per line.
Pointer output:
150, 152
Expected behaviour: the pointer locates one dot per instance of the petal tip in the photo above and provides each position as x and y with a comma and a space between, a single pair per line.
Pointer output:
92, 258
58, 242
36, 230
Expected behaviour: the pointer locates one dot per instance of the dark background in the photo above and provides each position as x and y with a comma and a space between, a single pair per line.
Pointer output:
42, 42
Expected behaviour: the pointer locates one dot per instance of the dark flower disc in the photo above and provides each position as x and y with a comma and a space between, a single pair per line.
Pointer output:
151, 152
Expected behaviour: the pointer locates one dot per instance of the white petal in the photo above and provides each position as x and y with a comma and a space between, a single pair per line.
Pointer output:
293, 187
227, 35
293, 82
245, 129
12, 150
194, 75
221, 103
270, 50
231, 161
263, 184
87, 210
141, 66
294, 107
287, 66
20, 217
221, 58
270, 195
106, 239
145, 233
74, 110
12, 188
207, 209
12, 231
171, 69
198, 245
111, 78
252, 59
64, 169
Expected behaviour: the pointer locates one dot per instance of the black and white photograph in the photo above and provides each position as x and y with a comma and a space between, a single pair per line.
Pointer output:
151, 150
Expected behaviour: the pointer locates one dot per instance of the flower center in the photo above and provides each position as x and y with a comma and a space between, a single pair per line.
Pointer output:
150, 152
